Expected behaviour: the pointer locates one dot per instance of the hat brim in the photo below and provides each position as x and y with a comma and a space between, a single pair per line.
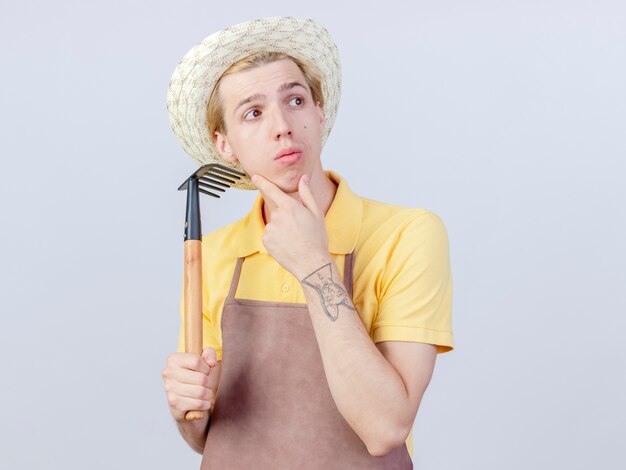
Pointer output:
198, 72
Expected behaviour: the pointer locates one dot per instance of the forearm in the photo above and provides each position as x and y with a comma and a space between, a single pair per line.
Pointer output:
367, 390
194, 432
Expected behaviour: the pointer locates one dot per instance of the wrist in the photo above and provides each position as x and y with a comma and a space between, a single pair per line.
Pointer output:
311, 264
194, 432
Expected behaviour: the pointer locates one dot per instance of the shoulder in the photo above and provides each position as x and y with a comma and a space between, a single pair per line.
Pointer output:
391, 221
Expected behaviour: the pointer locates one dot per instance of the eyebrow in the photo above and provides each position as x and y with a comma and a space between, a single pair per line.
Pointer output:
290, 85
259, 96
256, 96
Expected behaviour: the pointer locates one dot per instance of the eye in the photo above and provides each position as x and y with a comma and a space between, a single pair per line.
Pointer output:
296, 102
253, 113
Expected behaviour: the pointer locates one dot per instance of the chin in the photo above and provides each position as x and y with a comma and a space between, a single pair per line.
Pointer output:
289, 183
289, 188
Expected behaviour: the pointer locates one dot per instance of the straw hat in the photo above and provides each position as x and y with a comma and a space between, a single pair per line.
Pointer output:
198, 72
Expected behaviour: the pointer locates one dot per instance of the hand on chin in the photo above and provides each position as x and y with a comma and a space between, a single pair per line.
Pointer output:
287, 182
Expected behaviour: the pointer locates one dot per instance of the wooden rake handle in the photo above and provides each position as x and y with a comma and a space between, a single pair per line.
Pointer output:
193, 305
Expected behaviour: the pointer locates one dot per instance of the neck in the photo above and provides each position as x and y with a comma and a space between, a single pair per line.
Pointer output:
323, 190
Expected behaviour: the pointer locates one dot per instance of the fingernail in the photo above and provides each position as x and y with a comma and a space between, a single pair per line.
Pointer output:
254, 178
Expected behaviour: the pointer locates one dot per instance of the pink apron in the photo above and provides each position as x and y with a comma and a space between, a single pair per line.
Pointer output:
274, 409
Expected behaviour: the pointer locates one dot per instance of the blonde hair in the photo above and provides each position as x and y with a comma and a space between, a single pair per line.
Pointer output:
215, 111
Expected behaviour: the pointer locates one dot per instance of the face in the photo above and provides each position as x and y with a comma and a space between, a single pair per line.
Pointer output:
273, 127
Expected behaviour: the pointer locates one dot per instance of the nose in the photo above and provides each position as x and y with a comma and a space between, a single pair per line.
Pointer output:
281, 125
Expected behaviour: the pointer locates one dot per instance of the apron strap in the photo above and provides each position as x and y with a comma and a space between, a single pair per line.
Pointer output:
348, 274
235, 280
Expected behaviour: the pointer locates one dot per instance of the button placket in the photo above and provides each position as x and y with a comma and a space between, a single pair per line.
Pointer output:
283, 283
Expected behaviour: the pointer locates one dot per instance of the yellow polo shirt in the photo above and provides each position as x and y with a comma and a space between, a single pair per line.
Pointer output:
402, 281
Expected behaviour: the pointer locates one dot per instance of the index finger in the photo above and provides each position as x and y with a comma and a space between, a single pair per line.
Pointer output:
269, 190
191, 362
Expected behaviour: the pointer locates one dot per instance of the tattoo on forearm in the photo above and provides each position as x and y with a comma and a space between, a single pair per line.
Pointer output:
332, 294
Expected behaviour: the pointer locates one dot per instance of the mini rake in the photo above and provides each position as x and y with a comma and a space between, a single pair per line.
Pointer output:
208, 179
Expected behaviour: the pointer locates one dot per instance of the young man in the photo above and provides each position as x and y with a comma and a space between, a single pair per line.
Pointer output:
323, 311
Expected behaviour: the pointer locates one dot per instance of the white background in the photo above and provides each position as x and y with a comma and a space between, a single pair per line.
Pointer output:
506, 118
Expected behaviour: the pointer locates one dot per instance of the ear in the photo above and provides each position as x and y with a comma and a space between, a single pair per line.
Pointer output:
223, 147
321, 113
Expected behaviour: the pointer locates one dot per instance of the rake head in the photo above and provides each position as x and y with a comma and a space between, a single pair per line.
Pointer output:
213, 176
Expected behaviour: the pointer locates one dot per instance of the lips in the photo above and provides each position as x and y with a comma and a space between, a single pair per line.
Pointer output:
289, 155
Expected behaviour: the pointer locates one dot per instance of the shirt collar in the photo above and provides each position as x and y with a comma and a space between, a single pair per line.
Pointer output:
343, 222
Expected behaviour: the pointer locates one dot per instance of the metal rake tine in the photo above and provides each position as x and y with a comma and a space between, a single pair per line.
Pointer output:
225, 176
228, 169
202, 182
208, 180
221, 172
203, 191
213, 175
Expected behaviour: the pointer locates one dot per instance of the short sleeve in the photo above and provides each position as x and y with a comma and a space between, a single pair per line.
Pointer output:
416, 287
